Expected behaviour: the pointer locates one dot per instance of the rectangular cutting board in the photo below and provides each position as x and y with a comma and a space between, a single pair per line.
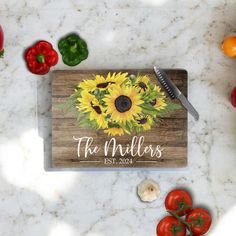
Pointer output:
170, 136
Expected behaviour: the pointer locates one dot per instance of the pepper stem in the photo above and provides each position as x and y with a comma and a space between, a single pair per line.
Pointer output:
40, 58
73, 48
2, 53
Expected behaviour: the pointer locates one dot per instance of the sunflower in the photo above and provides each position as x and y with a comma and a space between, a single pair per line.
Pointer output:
88, 85
123, 103
159, 103
102, 83
141, 83
117, 79
158, 89
114, 131
144, 122
111, 80
89, 103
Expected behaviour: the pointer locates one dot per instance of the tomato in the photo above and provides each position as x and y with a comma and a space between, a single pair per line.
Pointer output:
1, 41
179, 201
170, 226
199, 220
233, 97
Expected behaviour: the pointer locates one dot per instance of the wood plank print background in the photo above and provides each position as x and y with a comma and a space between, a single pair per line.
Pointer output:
170, 134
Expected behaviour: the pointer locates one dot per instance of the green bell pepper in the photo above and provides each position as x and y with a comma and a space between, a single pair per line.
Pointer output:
73, 49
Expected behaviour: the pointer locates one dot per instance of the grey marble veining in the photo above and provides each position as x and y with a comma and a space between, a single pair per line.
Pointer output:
120, 34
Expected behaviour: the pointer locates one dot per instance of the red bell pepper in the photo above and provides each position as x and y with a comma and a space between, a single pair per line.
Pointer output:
233, 97
40, 57
1, 42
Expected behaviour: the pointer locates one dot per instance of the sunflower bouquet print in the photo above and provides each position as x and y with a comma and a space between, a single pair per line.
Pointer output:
119, 103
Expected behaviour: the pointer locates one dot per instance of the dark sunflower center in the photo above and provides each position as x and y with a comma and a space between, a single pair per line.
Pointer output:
123, 103
104, 85
153, 102
96, 108
142, 121
142, 85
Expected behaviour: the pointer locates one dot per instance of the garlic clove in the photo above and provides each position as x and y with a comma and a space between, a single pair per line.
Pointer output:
148, 190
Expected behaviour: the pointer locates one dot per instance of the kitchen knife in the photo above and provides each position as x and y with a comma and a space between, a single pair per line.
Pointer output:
174, 92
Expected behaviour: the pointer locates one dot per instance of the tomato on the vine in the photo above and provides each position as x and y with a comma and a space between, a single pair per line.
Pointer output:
179, 201
199, 220
170, 226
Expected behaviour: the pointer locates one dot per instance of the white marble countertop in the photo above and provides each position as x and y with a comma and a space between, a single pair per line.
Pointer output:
120, 34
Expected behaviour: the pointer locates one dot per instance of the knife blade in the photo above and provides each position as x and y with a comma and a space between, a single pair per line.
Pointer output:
174, 92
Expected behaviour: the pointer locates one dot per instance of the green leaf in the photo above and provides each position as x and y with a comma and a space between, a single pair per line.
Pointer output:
148, 109
168, 109
69, 105
85, 122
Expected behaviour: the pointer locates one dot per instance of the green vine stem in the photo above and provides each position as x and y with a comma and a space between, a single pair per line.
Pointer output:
182, 206
182, 221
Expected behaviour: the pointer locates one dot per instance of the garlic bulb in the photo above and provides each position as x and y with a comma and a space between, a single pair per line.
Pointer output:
148, 190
